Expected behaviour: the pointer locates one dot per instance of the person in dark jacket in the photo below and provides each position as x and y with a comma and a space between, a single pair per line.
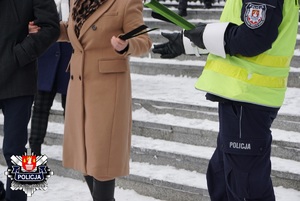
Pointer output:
18, 71
53, 78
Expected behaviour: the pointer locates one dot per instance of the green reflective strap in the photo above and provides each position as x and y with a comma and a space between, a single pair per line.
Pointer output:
170, 15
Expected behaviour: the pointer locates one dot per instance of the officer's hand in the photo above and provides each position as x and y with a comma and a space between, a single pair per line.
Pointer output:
172, 48
196, 35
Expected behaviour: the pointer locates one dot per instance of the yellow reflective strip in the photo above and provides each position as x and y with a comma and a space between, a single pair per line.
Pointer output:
244, 75
268, 60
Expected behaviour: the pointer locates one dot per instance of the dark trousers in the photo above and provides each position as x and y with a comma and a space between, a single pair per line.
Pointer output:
17, 112
43, 101
240, 167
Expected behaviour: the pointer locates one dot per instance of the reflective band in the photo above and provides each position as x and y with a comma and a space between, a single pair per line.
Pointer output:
243, 75
269, 60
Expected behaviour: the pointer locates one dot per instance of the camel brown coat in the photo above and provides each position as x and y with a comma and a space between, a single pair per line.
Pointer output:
97, 136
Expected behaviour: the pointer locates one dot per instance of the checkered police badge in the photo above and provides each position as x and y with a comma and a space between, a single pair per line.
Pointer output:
255, 15
29, 172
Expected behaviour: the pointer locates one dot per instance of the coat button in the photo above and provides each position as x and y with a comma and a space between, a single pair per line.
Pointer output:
94, 27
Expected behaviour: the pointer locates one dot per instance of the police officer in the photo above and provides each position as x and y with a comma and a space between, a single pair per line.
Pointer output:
247, 68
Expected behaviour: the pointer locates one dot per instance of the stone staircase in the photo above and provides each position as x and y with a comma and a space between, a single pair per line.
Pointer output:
169, 161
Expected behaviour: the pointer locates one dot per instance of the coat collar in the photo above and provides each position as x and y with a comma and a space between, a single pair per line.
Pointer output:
88, 23
96, 15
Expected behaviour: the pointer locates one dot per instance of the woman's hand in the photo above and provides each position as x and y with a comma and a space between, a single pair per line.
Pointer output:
118, 44
32, 28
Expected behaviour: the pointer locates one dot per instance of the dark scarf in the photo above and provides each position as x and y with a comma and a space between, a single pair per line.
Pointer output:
82, 10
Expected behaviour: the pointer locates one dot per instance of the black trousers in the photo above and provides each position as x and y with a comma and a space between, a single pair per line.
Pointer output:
17, 112
43, 101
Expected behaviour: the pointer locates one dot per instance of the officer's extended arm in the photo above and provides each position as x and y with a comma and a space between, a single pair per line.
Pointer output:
205, 38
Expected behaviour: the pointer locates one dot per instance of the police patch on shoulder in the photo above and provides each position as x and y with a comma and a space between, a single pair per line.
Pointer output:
255, 15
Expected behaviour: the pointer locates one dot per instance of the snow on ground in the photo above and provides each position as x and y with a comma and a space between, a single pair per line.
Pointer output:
66, 189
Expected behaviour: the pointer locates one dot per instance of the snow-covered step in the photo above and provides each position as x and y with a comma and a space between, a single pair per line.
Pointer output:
182, 155
67, 189
178, 95
186, 114
195, 158
191, 66
281, 170
201, 132
193, 11
173, 89
164, 182
283, 121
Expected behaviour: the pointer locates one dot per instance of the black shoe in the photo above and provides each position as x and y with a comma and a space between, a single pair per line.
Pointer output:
182, 12
2, 191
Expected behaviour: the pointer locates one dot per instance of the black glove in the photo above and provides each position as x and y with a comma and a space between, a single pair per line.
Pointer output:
170, 49
196, 35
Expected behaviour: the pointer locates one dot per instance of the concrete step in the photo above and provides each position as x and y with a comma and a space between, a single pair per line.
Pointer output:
193, 13
283, 121
284, 125
190, 66
198, 137
192, 3
165, 154
165, 163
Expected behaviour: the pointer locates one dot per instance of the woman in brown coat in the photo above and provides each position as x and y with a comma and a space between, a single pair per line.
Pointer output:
97, 136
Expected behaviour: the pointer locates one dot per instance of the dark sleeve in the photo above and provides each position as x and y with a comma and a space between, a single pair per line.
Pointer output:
46, 17
261, 19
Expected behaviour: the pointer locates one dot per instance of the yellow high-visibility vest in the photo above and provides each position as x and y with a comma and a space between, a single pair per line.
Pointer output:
261, 79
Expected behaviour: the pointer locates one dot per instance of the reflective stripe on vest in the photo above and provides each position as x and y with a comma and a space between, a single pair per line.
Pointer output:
269, 60
246, 76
